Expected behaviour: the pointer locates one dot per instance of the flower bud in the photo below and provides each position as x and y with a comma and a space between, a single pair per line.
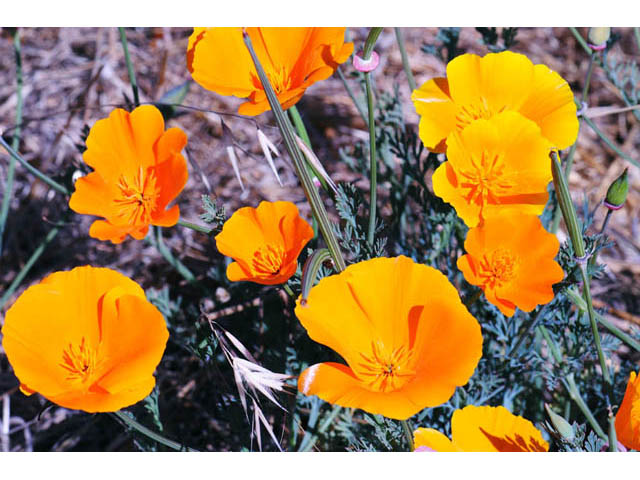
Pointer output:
598, 37
368, 65
617, 192
560, 424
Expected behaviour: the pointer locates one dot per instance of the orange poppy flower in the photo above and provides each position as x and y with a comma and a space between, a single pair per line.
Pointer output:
406, 337
86, 339
628, 416
293, 59
138, 170
480, 87
264, 242
483, 429
511, 258
502, 161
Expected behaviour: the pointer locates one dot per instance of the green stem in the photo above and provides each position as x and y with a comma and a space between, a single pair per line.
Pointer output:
570, 384
636, 31
610, 143
299, 124
286, 129
8, 191
287, 289
49, 181
195, 226
130, 422
581, 40
169, 257
405, 59
132, 73
311, 441
613, 438
579, 302
587, 81
372, 161
606, 220
27, 266
408, 434
352, 96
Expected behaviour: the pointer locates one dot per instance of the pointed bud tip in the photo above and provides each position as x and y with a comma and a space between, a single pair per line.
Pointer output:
617, 192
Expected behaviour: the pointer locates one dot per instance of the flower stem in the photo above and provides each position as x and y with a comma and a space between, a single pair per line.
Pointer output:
307, 445
49, 181
130, 422
353, 96
8, 190
570, 384
302, 133
27, 266
636, 31
195, 226
581, 40
169, 257
405, 59
132, 73
372, 161
299, 163
609, 142
407, 434
613, 438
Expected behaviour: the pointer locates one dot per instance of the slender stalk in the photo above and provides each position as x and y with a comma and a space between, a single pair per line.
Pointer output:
8, 190
49, 181
352, 96
311, 441
299, 124
408, 434
195, 226
147, 432
636, 31
132, 73
581, 40
606, 220
372, 161
610, 143
570, 384
613, 438
587, 81
310, 190
405, 59
27, 266
287, 289
169, 257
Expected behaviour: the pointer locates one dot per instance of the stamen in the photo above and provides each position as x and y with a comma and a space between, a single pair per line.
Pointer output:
383, 370
80, 363
498, 268
268, 260
138, 197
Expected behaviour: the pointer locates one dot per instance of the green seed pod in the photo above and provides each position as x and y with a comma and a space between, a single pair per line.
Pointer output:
598, 37
617, 192
560, 424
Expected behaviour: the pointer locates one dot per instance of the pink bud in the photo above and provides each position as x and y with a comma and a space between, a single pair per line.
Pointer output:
424, 449
366, 65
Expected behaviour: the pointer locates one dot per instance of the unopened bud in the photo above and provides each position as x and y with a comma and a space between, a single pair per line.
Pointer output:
598, 37
368, 65
617, 193
560, 424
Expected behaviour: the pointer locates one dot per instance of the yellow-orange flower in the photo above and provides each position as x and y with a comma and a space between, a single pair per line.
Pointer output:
480, 87
86, 339
293, 59
264, 242
406, 337
138, 171
483, 429
502, 161
628, 416
511, 258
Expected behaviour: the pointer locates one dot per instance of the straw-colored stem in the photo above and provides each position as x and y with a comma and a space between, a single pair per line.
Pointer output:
8, 188
147, 432
132, 73
46, 179
286, 129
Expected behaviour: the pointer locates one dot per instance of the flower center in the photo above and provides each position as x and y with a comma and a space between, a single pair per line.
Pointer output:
474, 111
485, 180
79, 362
280, 79
385, 370
138, 197
267, 260
497, 268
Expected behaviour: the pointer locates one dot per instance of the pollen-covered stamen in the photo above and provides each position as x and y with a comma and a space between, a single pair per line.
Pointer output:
468, 113
138, 197
386, 369
486, 181
280, 79
497, 268
80, 362
268, 260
